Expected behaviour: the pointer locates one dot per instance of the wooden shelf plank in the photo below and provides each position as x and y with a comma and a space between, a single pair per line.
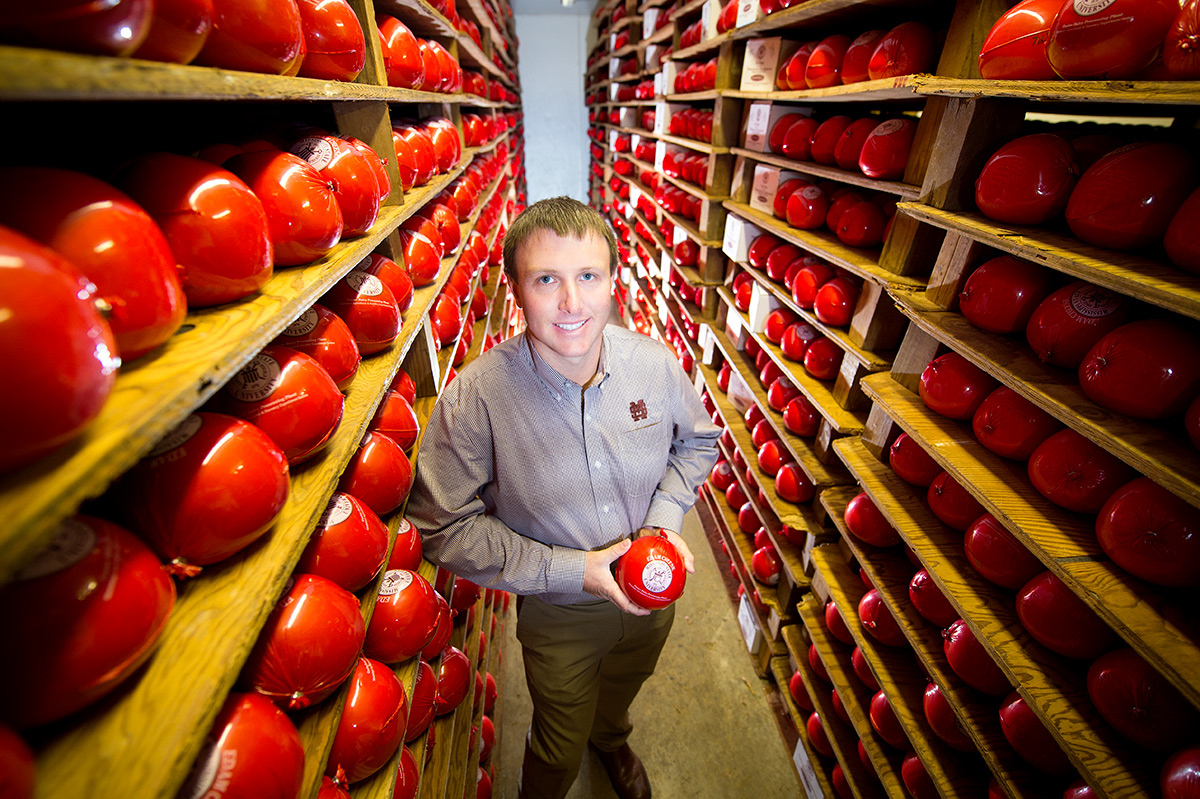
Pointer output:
905, 191
1065, 91
819, 765
1140, 613
873, 361
1155, 450
216, 621
33, 74
156, 392
890, 572
901, 679
824, 244
1054, 688
1153, 281
819, 13
820, 394
869, 91
692, 144
856, 698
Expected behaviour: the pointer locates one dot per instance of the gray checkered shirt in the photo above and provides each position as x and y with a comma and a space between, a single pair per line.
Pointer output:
521, 470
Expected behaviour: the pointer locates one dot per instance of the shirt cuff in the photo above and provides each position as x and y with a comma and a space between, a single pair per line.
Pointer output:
565, 575
664, 513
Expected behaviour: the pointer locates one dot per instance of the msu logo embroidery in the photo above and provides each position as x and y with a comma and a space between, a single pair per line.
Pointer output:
638, 410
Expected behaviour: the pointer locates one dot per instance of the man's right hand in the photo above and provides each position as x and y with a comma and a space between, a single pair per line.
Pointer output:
598, 579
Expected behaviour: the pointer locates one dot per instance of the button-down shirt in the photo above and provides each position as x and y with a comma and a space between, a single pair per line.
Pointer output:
521, 471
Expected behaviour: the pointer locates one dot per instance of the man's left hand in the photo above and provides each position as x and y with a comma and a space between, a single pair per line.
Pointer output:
689, 562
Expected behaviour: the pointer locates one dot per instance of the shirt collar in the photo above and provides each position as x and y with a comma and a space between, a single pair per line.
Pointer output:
558, 384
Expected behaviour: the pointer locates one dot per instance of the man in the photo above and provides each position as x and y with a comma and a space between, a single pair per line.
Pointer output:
539, 462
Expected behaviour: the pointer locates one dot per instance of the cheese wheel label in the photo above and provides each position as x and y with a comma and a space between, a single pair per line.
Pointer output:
304, 325
339, 510
1093, 302
316, 150
657, 576
257, 380
366, 284
178, 437
1086, 8
889, 127
73, 540
395, 581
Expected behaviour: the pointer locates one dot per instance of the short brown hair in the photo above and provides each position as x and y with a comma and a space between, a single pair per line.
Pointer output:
564, 216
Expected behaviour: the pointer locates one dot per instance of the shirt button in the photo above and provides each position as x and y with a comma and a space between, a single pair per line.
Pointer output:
587, 417
606, 509
597, 464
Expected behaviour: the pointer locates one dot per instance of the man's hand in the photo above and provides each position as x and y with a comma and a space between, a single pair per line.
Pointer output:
689, 562
598, 579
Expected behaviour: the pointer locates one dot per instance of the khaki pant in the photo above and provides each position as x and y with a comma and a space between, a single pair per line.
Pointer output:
584, 665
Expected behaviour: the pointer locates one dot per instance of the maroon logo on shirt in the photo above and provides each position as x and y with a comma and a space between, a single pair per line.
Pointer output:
638, 410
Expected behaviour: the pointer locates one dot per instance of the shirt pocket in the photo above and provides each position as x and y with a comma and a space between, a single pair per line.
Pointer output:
643, 456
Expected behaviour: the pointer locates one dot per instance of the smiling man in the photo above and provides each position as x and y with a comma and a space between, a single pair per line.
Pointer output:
539, 464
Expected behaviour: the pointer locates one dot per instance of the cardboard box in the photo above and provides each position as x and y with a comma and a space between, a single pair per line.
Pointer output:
628, 117
761, 117
710, 14
660, 152
663, 112
764, 58
749, 12
762, 302
739, 235
767, 179
650, 21
614, 68
664, 81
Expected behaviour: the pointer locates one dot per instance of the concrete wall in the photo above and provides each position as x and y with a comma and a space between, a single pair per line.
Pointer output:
553, 55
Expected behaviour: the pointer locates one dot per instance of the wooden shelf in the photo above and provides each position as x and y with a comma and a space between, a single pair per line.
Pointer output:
1054, 688
690, 97
1155, 282
856, 698
1157, 451
1064, 541
816, 13
1066, 91
904, 190
691, 144
822, 243
817, 768
890, 571
817, 392
870, 91
901, 679
33, 74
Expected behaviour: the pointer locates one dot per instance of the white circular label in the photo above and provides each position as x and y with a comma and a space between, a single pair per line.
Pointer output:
317, 151
1093, 302
367, 285
1086, 8
179, 436
657, 576
395, 581
889, 127
811, 192
304, 325
72, 541
405, 526
339, 510
257, 380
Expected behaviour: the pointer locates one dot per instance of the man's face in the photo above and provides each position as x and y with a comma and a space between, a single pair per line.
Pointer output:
564, 286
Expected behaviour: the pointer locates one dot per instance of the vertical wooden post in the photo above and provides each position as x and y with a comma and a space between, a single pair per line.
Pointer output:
371, 122
970, 132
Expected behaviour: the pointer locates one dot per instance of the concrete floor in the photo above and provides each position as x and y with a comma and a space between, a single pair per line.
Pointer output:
701, 723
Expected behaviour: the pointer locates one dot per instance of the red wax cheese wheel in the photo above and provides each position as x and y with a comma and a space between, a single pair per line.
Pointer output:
850, 145
1030, 739
252, 750
255, 36
797, 142
942, 720
929, 600
1146, 369
1182, 243
81, 617
651, 572
309, 644
405, 618
372, 723
909, 460
1181, 55
1002, 294
1068, 323
1075, 473
824, 66
954, 387
971, 661
780, 130
1108, 39
54, 341
107, 237
997, 555
1151, 533
348, 545
334, 41
1061, 621
1015, 47
379, 474
858, 56
1139, 702
322, 335
885, 152
1028, 181
952, 503
368, 308
1126, 199
209, 489
906, 49
865, 521
875, 617
825, 139
288, 396
1010, 425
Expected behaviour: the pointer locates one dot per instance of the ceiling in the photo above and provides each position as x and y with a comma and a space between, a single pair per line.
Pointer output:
581, 8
